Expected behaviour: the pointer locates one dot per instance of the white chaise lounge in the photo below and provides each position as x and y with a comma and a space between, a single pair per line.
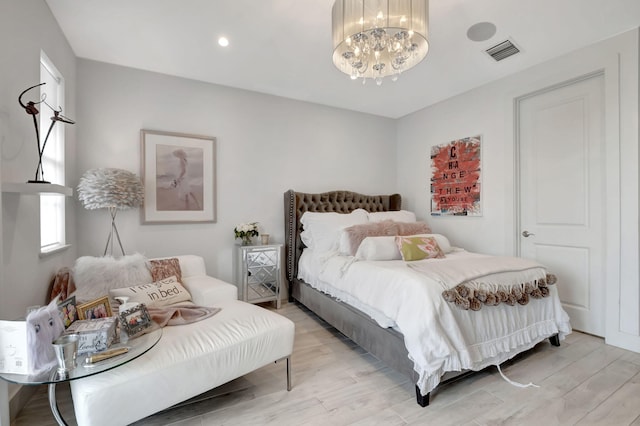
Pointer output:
189, 359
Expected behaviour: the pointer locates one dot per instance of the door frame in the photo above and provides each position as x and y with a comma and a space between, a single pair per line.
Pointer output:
612, 228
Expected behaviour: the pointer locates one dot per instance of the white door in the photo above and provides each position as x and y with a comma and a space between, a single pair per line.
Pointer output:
561, 190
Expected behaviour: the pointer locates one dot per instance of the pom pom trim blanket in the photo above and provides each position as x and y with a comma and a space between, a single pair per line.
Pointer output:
473, 282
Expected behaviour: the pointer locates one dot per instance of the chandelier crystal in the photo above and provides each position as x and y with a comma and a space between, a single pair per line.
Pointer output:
379, 38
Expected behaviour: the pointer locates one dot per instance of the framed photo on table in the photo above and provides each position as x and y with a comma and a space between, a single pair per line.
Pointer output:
135, 320
98, 308
179, 177
68, 311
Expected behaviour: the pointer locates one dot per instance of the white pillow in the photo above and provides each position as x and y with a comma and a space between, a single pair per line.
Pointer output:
344, 245
155, 295
95, 276
321, 231
378, 248
385, 248
396, 216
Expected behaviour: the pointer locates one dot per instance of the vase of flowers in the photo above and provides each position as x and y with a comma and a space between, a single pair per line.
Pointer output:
245, 231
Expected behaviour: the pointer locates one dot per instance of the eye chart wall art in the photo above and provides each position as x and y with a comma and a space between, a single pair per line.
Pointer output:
455, 178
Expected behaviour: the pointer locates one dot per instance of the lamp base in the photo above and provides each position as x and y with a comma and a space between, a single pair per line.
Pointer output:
38, 181
113, 234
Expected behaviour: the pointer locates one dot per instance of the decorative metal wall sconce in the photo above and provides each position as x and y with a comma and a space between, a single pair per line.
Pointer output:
32, 110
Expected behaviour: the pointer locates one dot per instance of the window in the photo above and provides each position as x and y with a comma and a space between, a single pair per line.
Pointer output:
52, 206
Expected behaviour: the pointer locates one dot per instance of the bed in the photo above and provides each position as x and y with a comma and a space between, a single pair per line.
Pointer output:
391, 338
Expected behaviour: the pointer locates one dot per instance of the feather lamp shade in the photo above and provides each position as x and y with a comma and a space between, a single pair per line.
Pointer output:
113, 189
105, 188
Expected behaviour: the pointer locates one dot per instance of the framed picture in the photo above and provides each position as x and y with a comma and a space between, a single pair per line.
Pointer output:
455, 178
179, 177
68, 311
135, 320
98, 308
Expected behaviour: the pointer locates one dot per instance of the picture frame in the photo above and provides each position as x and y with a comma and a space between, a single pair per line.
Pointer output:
136, 320
456, 177
178, 171
98, 308
68, 311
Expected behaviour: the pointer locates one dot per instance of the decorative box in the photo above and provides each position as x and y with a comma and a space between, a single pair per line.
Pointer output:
13, 347
95, 335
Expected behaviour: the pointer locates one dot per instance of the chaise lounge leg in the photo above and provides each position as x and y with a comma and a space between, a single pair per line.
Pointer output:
555, 340
288, 373
423, 400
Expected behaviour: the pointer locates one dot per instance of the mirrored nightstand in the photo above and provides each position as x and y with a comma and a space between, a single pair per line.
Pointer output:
257, 273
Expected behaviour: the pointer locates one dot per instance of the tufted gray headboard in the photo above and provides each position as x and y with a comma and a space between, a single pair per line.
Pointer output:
296, 203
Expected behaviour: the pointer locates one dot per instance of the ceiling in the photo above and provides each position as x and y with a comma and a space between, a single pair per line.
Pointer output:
283, 47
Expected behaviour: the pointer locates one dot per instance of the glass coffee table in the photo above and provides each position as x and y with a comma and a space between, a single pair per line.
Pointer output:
137, 347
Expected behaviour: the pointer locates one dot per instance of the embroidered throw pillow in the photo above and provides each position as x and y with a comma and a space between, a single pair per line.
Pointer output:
165, 268
442, 241
155, 295
418, 248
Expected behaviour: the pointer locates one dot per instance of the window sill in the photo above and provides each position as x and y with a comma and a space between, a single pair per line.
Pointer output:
53, 250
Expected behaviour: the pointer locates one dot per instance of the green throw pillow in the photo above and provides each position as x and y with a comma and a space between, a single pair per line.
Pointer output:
418, 248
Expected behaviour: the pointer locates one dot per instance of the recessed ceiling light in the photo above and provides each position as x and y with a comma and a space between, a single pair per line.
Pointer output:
223, 41
481, 31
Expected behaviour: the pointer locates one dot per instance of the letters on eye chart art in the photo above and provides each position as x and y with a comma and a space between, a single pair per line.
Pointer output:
455, 178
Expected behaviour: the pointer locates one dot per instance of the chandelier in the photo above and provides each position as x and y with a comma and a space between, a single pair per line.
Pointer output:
379, 38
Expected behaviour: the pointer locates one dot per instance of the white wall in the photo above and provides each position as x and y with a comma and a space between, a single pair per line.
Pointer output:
489, 111
265, 146
26, 27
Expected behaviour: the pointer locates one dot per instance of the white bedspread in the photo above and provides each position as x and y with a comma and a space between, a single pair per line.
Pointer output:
488, 270
438, 336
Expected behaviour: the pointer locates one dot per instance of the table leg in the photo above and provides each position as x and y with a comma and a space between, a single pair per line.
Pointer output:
54, 405
289, 373
4, 403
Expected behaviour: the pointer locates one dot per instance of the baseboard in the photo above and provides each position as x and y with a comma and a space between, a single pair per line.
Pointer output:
20, 399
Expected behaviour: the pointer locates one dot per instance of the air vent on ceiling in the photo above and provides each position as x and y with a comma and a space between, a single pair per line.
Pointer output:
502, 50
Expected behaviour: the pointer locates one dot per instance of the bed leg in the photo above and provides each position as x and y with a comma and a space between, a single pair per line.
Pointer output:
555, 340
423, 401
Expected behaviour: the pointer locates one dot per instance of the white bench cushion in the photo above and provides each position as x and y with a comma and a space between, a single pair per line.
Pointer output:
187, 361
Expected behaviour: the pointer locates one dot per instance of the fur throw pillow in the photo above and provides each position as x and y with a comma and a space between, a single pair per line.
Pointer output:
413, 228
354, 235
95, 276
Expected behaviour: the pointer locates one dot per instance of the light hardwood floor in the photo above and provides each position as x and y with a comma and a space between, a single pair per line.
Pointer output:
335, 382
